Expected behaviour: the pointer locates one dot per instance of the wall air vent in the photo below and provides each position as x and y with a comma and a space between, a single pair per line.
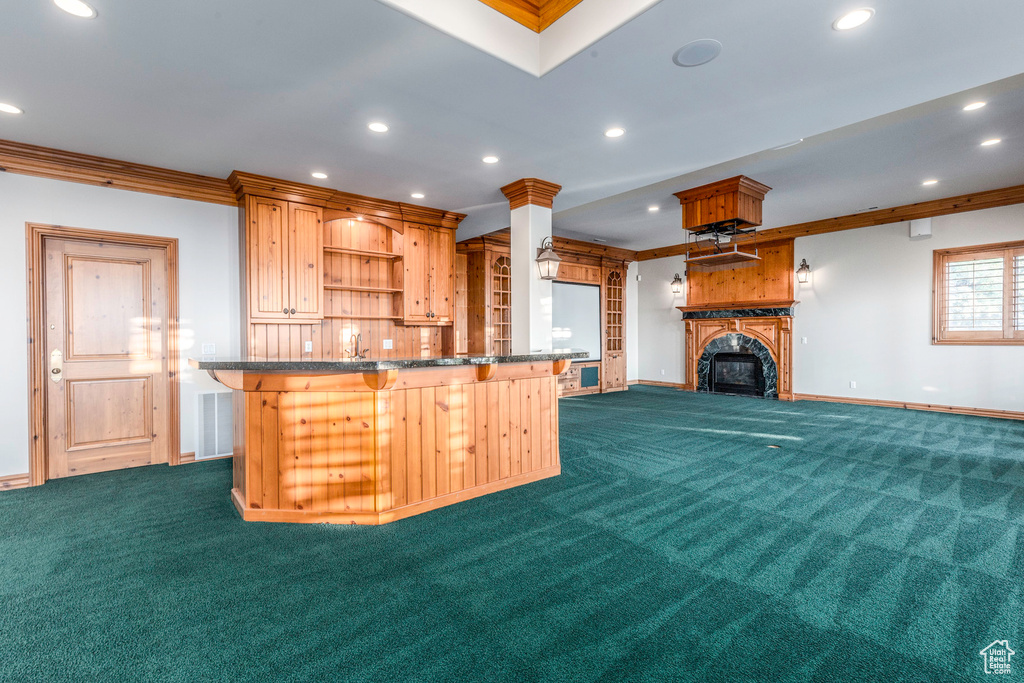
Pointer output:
214, 435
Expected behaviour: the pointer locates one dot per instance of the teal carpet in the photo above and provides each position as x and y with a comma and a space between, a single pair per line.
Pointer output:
874, 544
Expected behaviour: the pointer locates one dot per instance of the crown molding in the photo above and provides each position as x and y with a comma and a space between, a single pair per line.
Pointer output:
530, 191
45, 162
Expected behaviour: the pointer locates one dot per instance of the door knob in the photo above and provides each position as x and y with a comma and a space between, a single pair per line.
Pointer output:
56, 365
292, 311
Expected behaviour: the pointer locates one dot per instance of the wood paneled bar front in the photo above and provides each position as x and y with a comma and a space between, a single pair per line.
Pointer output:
371, 442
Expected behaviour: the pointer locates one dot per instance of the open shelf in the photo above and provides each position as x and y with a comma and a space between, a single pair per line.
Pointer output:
362, 252
347, 288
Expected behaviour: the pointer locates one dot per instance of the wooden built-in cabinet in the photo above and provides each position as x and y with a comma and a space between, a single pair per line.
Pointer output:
285, 256
322, 269
614, 358
429, 275
486, 327
485, 323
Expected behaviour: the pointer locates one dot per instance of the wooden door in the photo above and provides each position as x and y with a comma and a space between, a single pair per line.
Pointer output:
416, 265
442, 275
305, 261
105, 318
268, 259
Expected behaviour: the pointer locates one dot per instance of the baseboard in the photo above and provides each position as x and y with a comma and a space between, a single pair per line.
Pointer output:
651, 383
632, 382
959, 410
187, 458
13, 481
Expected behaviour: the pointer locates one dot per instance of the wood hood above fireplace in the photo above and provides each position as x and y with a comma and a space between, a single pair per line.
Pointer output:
733, 203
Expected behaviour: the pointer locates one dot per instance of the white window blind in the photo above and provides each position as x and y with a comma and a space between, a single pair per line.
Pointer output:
979, 294
974, 295
1018, 293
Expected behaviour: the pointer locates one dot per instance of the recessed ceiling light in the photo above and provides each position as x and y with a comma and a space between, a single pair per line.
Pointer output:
789, 144
853, 19
975, 105
697, 52
10, 108
993, 141
77, 8
614, 133
930, 182
654, 209
378, 127
418, 195
491, 160
319, 175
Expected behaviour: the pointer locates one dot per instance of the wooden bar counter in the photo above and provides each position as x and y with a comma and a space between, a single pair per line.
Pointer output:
370, 442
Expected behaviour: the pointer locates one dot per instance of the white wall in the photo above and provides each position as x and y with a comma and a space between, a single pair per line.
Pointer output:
207, 270
632, 323
867, 318
660, 329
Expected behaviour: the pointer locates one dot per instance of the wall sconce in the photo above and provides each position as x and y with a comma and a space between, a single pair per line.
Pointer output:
548, 261
677, 284
803, 273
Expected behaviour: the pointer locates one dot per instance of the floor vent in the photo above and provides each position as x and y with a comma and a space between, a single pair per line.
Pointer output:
213, 425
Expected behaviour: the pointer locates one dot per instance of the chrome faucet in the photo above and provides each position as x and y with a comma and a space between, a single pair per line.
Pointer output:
354, 352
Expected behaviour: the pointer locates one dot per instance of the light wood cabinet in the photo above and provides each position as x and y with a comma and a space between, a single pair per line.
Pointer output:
428, 262
284, 260
614, 356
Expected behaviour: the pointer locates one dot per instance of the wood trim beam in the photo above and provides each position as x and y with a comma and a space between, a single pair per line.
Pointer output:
931, 407
530, 191
18, 157
975, 201
563, 245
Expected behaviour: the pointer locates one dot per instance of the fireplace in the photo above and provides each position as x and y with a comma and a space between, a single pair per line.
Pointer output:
737, 364
736, 373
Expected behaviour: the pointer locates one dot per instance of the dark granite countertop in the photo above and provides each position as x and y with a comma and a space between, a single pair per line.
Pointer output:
351, 365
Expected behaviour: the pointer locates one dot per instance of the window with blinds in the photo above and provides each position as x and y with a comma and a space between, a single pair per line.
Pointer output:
1018, 292
979, 294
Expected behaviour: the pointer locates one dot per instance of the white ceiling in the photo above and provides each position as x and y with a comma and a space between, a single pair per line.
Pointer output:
259, 86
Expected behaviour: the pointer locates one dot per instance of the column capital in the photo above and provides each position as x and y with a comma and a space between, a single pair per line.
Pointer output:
530, 191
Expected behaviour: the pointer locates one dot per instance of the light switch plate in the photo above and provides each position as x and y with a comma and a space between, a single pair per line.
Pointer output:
803, 340
209, 349
388, 344
309, 347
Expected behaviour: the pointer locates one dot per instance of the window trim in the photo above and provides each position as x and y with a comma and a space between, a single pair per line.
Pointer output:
1009, 336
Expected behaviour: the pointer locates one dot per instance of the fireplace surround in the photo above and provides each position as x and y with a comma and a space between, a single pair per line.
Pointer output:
764, 332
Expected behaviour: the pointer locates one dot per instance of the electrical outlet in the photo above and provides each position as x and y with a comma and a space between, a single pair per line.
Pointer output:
209, 349
309, 347
663, 373
853, 385
388, 344
803, 340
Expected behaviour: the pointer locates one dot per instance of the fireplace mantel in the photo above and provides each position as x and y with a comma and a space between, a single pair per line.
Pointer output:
740, 309
774, 332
